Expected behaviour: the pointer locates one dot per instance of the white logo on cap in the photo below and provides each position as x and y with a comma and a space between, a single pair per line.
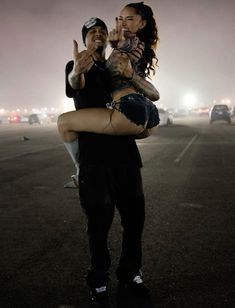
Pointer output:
90, 23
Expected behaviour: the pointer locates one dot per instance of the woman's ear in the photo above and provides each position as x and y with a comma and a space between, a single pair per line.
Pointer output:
142, 24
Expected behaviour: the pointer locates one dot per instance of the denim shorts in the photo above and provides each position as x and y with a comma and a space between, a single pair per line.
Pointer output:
138, 109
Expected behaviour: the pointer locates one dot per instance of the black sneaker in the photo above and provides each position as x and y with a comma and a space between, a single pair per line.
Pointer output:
135, 286
99, 297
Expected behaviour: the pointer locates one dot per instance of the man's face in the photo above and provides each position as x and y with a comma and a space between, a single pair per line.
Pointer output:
96, 37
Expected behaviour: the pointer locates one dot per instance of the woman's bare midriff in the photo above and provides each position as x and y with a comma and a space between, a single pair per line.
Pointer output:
118, 94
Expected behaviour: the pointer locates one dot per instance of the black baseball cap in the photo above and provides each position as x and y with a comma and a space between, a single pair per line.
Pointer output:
90, 23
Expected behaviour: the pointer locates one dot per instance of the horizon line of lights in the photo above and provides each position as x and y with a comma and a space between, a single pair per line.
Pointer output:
28, 110
193, 102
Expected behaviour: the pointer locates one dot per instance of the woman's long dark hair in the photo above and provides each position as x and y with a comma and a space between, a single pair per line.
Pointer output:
148, 35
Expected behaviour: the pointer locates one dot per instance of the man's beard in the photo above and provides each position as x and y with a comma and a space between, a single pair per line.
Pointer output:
100, 49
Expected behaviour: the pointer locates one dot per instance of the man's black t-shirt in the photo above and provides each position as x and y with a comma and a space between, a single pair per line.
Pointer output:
97, 148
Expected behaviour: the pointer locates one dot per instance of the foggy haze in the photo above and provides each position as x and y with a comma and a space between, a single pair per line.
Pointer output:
195, 52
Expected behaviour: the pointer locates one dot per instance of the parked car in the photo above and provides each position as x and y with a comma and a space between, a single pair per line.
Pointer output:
53, 117
181, 113
220, 112
24, 119
200, 112
4, 119
166, 118
39, 118
14, 118
204, 111
232, 112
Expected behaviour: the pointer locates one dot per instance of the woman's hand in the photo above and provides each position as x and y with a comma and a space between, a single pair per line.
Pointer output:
116, 35
119, 64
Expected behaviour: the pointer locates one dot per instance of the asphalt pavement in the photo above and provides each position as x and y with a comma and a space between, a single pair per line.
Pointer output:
188, 241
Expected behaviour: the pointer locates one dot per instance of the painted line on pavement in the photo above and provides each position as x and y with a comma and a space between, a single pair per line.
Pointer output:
9, 157
180, 156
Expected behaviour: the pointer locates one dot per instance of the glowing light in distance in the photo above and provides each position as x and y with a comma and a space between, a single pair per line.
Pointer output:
226, 101
189, 100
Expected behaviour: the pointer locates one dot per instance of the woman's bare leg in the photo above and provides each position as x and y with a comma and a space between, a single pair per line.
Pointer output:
95, 120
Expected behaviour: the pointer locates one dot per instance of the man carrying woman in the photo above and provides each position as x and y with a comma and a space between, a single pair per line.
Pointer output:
110, 166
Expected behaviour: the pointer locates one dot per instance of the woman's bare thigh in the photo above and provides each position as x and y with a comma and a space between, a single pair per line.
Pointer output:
101, 121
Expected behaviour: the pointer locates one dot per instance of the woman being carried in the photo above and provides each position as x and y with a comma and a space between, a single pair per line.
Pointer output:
131, 112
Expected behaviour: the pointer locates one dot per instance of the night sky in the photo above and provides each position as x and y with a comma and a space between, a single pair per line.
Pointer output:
196, 49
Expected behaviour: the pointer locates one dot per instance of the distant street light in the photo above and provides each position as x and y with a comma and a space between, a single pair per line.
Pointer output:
189, 100
226, 101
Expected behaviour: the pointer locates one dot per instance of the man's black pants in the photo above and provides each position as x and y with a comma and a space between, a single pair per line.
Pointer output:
101, 188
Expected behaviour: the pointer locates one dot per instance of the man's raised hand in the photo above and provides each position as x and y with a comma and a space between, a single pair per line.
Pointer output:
75, 49
83, 60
